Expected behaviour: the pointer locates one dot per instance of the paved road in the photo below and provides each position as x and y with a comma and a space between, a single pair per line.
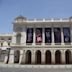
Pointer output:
31, 68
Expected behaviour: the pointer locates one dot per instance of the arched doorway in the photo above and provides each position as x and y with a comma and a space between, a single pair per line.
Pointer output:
48, 57
28, 57
16, 56
58, 57
38, 57
68, 56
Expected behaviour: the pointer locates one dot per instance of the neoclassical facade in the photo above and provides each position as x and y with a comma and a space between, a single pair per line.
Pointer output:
37, 41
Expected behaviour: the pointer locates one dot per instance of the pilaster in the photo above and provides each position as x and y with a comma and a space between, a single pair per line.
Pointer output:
33, 57
11, 57
63, 56
21, 55
53, 56
14, 38
23, 36
43, 57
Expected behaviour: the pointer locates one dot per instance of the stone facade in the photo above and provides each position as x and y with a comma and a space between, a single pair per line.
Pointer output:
57, 50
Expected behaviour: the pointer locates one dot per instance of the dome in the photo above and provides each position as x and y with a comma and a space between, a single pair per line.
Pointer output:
20, 18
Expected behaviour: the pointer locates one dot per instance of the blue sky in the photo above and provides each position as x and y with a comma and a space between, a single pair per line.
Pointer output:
9, 9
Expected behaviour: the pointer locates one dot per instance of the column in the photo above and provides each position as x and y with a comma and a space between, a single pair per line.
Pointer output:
63, 56
33, 57
52, 36
21, 55
43, 57
43, 36
62, 37
11, 57
53, 56
34, 36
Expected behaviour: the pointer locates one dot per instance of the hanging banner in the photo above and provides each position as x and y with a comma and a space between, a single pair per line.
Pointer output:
57, 35
47, 35
66, 32
29, 35
38, 35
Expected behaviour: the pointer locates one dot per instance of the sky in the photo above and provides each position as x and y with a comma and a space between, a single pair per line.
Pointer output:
10, 9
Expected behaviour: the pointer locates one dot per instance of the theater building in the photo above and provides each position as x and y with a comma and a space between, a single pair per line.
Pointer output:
38, 42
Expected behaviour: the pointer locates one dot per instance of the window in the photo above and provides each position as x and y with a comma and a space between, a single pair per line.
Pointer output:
29, 38
66, 33
38, 35
48, 35
57, 35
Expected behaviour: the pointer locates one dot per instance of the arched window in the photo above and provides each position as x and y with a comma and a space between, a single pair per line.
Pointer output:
68, 56
38, 57
28, 57
18, 38
48, 57
58, 57
16, 56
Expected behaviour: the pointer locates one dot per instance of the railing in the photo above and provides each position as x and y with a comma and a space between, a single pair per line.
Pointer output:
44, 20
17, 44
42, 46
